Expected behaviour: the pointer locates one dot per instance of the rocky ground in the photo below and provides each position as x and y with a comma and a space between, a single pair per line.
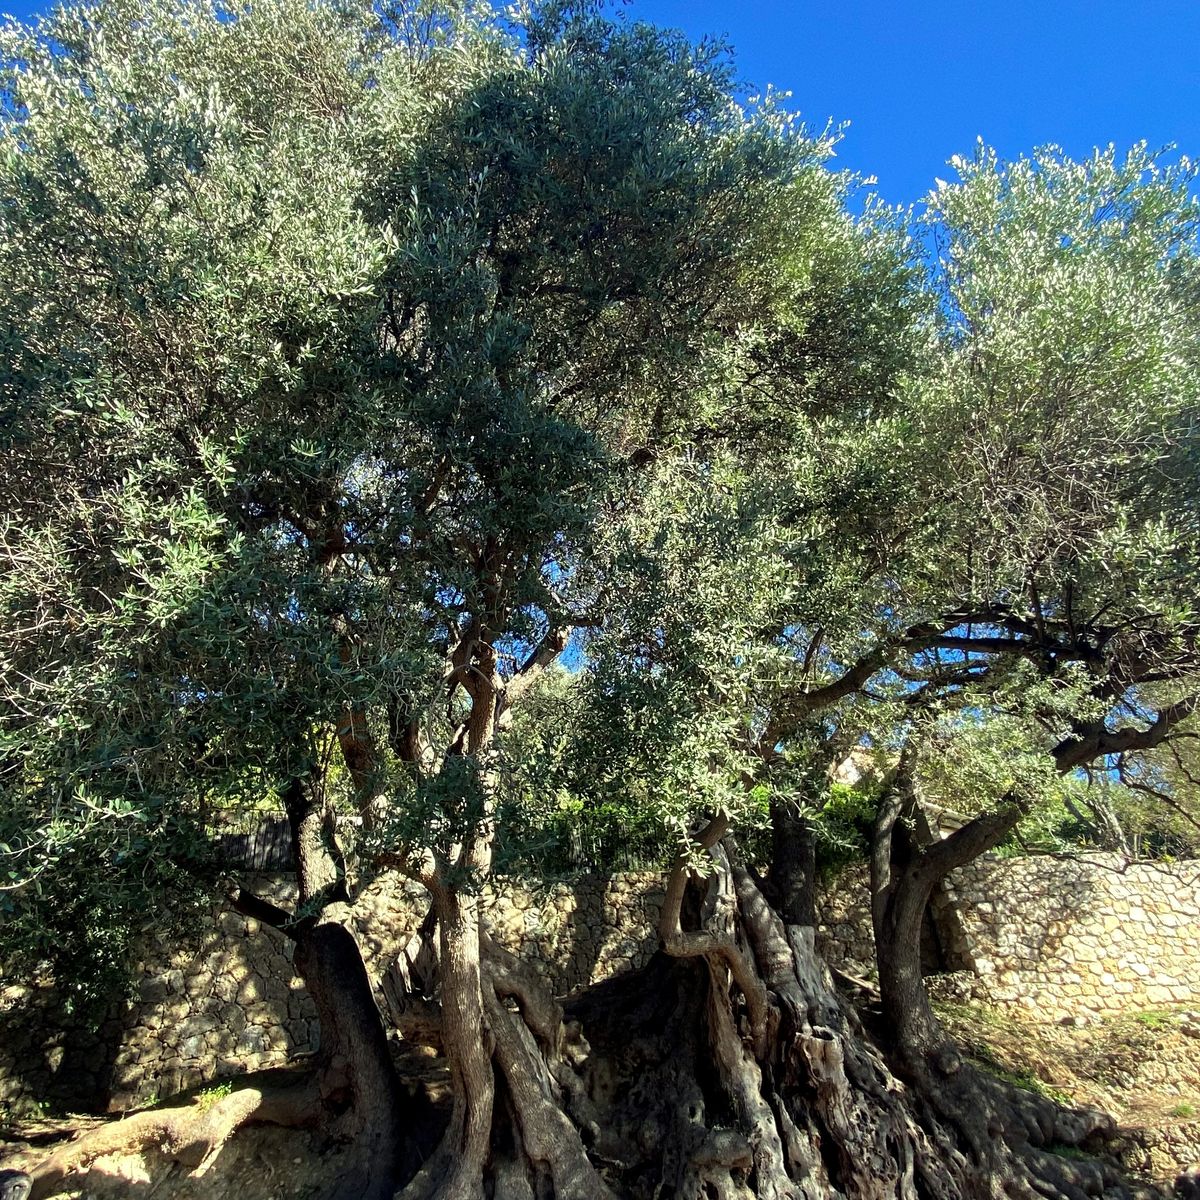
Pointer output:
263, 1163
258, 1162
1143, 1067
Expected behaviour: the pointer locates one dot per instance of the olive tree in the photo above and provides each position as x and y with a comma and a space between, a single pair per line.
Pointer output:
338, 340
361, 361
988, 551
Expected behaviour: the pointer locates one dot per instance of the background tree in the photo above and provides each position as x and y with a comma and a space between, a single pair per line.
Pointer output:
1153, 796
976, 543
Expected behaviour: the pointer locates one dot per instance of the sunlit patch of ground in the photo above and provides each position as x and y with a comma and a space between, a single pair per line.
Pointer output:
1143, 1067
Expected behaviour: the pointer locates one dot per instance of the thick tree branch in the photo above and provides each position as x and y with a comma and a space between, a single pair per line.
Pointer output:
976, 837
405, 737
711, 941
542, 656
514, 979
895, 800
805, 701
706, 839
988, 829
1084, 747
258, 909
985, 645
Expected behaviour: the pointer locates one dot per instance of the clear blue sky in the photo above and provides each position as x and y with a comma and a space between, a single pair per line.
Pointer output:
920, 80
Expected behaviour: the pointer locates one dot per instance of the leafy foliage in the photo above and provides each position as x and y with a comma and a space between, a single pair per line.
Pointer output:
340, 344
360, 363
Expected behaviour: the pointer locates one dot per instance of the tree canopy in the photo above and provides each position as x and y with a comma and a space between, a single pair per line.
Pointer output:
468, 431
333, 353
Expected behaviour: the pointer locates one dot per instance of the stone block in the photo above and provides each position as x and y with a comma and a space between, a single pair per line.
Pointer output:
225, 987
153, 990
193, 1047
254, 1039
233, 1019
232, 924
198, 1025
250, 989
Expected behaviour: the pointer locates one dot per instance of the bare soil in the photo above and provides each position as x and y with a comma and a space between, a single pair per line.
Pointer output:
1142, 1067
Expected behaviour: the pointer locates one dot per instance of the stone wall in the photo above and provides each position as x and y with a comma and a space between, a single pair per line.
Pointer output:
844, 936
1092, 935
233, 1003
1058, 937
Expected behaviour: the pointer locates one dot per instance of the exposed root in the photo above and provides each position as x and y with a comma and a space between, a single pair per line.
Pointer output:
717, 936
1076, 1179
533, 1149
727, 1069
14, 1185
192, 1135
512, 979
742, 1077
548, 1140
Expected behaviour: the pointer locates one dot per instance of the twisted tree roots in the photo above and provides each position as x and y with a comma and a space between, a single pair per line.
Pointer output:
729, 1068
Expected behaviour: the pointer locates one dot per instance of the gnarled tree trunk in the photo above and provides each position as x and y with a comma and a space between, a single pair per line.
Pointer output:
729, 1068
503, 1035
1002, 1131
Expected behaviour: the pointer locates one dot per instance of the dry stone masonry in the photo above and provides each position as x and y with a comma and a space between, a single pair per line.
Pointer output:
232, 1003
1060, 938
1092, 935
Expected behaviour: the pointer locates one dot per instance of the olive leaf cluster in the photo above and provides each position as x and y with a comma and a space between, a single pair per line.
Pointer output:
340, 339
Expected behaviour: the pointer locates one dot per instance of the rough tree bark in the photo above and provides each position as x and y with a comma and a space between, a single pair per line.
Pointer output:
509, 1135
793, 864
729, 1068
904, 875
1004, 1130
357, 1080
501, 1033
